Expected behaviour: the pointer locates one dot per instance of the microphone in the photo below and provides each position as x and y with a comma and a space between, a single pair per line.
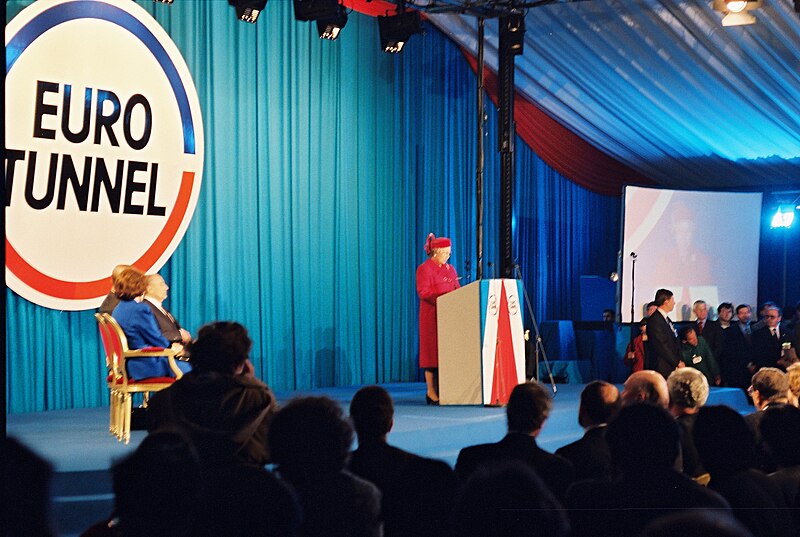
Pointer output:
633, 255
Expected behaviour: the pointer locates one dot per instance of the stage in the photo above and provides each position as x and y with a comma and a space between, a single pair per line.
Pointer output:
81, 450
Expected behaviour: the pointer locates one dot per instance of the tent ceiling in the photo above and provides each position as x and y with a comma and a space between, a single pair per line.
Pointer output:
663, 87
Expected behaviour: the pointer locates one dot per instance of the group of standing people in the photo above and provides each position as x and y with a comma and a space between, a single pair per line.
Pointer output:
728, 352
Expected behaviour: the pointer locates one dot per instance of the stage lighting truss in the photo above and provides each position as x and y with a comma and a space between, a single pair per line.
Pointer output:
330, 15
248, 10
162, 1
395, 30
736, 11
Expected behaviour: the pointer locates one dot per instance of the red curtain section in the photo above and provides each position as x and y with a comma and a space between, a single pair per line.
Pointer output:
564, 151
373, 8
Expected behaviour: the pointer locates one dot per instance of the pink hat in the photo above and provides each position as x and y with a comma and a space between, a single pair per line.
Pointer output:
433, 242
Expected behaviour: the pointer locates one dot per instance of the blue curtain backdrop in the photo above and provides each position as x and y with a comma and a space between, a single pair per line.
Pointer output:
327, 163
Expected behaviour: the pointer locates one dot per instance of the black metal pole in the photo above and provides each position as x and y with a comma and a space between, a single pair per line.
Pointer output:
480, 159
512, 32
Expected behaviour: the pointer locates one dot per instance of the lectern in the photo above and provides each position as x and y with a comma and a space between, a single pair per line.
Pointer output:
481, 342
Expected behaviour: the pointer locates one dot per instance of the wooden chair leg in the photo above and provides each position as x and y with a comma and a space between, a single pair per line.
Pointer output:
111, 410
117, 415
126, 429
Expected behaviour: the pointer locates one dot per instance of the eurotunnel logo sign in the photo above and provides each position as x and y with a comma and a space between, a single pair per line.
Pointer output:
104, 148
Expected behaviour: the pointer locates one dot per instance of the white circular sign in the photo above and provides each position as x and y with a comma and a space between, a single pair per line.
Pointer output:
104, 148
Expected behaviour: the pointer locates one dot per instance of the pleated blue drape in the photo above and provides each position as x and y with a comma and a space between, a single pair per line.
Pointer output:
327, 163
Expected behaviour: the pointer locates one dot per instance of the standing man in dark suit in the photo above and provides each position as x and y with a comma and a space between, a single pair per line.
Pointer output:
663, 350
739, 350
154, 297
527, 410
710, 330
769, 339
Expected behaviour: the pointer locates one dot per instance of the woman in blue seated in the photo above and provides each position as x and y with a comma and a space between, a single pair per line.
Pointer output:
140, 327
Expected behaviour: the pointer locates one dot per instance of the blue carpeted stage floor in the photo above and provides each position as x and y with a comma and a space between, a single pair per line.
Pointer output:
80, 448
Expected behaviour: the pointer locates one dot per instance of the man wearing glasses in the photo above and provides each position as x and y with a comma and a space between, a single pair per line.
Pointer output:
770, 342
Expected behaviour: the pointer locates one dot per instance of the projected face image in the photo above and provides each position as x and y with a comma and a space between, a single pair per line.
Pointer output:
680, 246
683, 232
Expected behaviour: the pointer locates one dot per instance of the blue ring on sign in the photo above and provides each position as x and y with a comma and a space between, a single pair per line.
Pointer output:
89, 9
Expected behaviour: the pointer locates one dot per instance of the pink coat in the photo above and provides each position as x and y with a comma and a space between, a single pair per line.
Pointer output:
432, 282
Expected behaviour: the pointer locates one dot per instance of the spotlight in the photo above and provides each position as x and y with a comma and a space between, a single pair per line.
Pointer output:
329, 27
783, 217
614, 277
248, 10
736, 11
395, 30
513, 31
329, 14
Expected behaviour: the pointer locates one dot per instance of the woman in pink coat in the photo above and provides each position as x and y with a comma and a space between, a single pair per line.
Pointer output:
435, 277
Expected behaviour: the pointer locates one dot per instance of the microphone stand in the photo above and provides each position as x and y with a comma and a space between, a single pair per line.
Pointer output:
539, 345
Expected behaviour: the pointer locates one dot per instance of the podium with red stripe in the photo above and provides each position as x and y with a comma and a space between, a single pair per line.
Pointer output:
481, 342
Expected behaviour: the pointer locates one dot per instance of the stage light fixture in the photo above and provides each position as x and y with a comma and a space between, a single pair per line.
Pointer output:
330, 15
736, 11
248, 10
395, 30
330, 26
783, 217
162, 2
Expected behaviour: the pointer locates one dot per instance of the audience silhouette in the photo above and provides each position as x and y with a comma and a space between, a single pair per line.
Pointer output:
508, 499
418, 493
528, 407
726, 448
644, 444
310, 443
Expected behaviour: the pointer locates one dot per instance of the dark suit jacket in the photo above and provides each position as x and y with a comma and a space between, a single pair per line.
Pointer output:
109, 303
757, 502
662, 350
625, 506
737, 353
767, 349
556, 471
418, 493
589, 455
712, 333
169, 326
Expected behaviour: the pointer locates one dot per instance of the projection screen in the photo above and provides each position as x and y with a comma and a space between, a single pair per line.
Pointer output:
699, 245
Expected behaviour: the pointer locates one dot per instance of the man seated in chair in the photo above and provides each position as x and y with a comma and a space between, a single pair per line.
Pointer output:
154, 297
140, 327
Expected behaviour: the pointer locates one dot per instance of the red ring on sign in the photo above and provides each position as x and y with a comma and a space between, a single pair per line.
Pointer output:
56, 288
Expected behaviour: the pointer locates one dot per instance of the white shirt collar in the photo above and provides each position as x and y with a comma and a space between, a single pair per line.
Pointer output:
156, 303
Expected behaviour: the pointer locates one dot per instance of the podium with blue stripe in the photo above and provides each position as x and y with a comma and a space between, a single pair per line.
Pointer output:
481, 342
